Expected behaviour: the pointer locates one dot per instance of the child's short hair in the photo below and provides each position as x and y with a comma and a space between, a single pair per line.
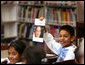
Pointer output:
69, 29
34, 54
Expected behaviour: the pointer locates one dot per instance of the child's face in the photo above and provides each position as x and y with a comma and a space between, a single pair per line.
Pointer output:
13, 55
65, 38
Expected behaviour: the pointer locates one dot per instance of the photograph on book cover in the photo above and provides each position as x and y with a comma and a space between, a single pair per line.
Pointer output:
38, 31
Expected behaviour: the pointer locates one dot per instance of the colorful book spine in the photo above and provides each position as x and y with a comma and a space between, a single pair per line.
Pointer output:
70, 10
64, 17
59, 16
49, 15
20, 31
55, 17
68, 16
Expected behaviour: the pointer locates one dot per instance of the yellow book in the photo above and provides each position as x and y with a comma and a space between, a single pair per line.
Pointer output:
20, 31
40, 13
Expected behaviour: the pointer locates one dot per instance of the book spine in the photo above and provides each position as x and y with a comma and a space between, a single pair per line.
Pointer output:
68, 17
59, 16
64, 17
55, 17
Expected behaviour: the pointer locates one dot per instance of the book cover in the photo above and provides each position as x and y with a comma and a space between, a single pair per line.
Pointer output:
38, 30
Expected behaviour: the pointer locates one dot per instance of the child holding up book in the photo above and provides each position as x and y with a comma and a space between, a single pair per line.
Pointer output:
64, 49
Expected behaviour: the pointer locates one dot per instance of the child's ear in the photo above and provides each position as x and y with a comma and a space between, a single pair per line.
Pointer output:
72, 38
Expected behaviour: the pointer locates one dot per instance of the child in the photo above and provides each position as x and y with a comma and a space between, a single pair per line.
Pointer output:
15, 51
34, 55
65, 49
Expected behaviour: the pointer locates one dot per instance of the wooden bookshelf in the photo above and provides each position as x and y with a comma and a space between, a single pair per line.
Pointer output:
80, 29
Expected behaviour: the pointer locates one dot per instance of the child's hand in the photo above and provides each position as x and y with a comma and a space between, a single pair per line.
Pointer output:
41, 18
46, 27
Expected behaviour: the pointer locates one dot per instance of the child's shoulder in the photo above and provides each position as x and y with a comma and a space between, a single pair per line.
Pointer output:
71, 48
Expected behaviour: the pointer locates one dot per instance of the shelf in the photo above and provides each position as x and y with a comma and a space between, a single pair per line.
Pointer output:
80, 24
8, 38
21, 15
8, 3
36, 5
58, 25
4, 47
80, 29
4, 22
64, 7
9, 13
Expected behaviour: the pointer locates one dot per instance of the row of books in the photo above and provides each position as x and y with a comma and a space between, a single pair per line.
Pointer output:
28, 14
61, 3
23, 30
54, 15
26, 30
23, 2
53, 3
60, 16
9, 2
30, 2
54, 31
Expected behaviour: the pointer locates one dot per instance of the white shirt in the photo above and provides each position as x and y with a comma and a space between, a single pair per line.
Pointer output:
66, 53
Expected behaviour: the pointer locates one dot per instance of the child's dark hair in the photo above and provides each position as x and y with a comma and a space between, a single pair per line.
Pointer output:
69, 29
18, 45
34, 54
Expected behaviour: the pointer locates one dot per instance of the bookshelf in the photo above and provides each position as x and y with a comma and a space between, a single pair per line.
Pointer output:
18, 19
80, 21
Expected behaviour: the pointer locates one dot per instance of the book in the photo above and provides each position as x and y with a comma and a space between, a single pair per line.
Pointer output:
59, 16
68, 16
64, 17
38, 30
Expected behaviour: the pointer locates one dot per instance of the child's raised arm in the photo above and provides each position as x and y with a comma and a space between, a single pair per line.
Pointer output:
50, 42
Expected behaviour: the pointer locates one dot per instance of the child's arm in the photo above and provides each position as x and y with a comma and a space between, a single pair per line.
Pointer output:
49, 40
51, 43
